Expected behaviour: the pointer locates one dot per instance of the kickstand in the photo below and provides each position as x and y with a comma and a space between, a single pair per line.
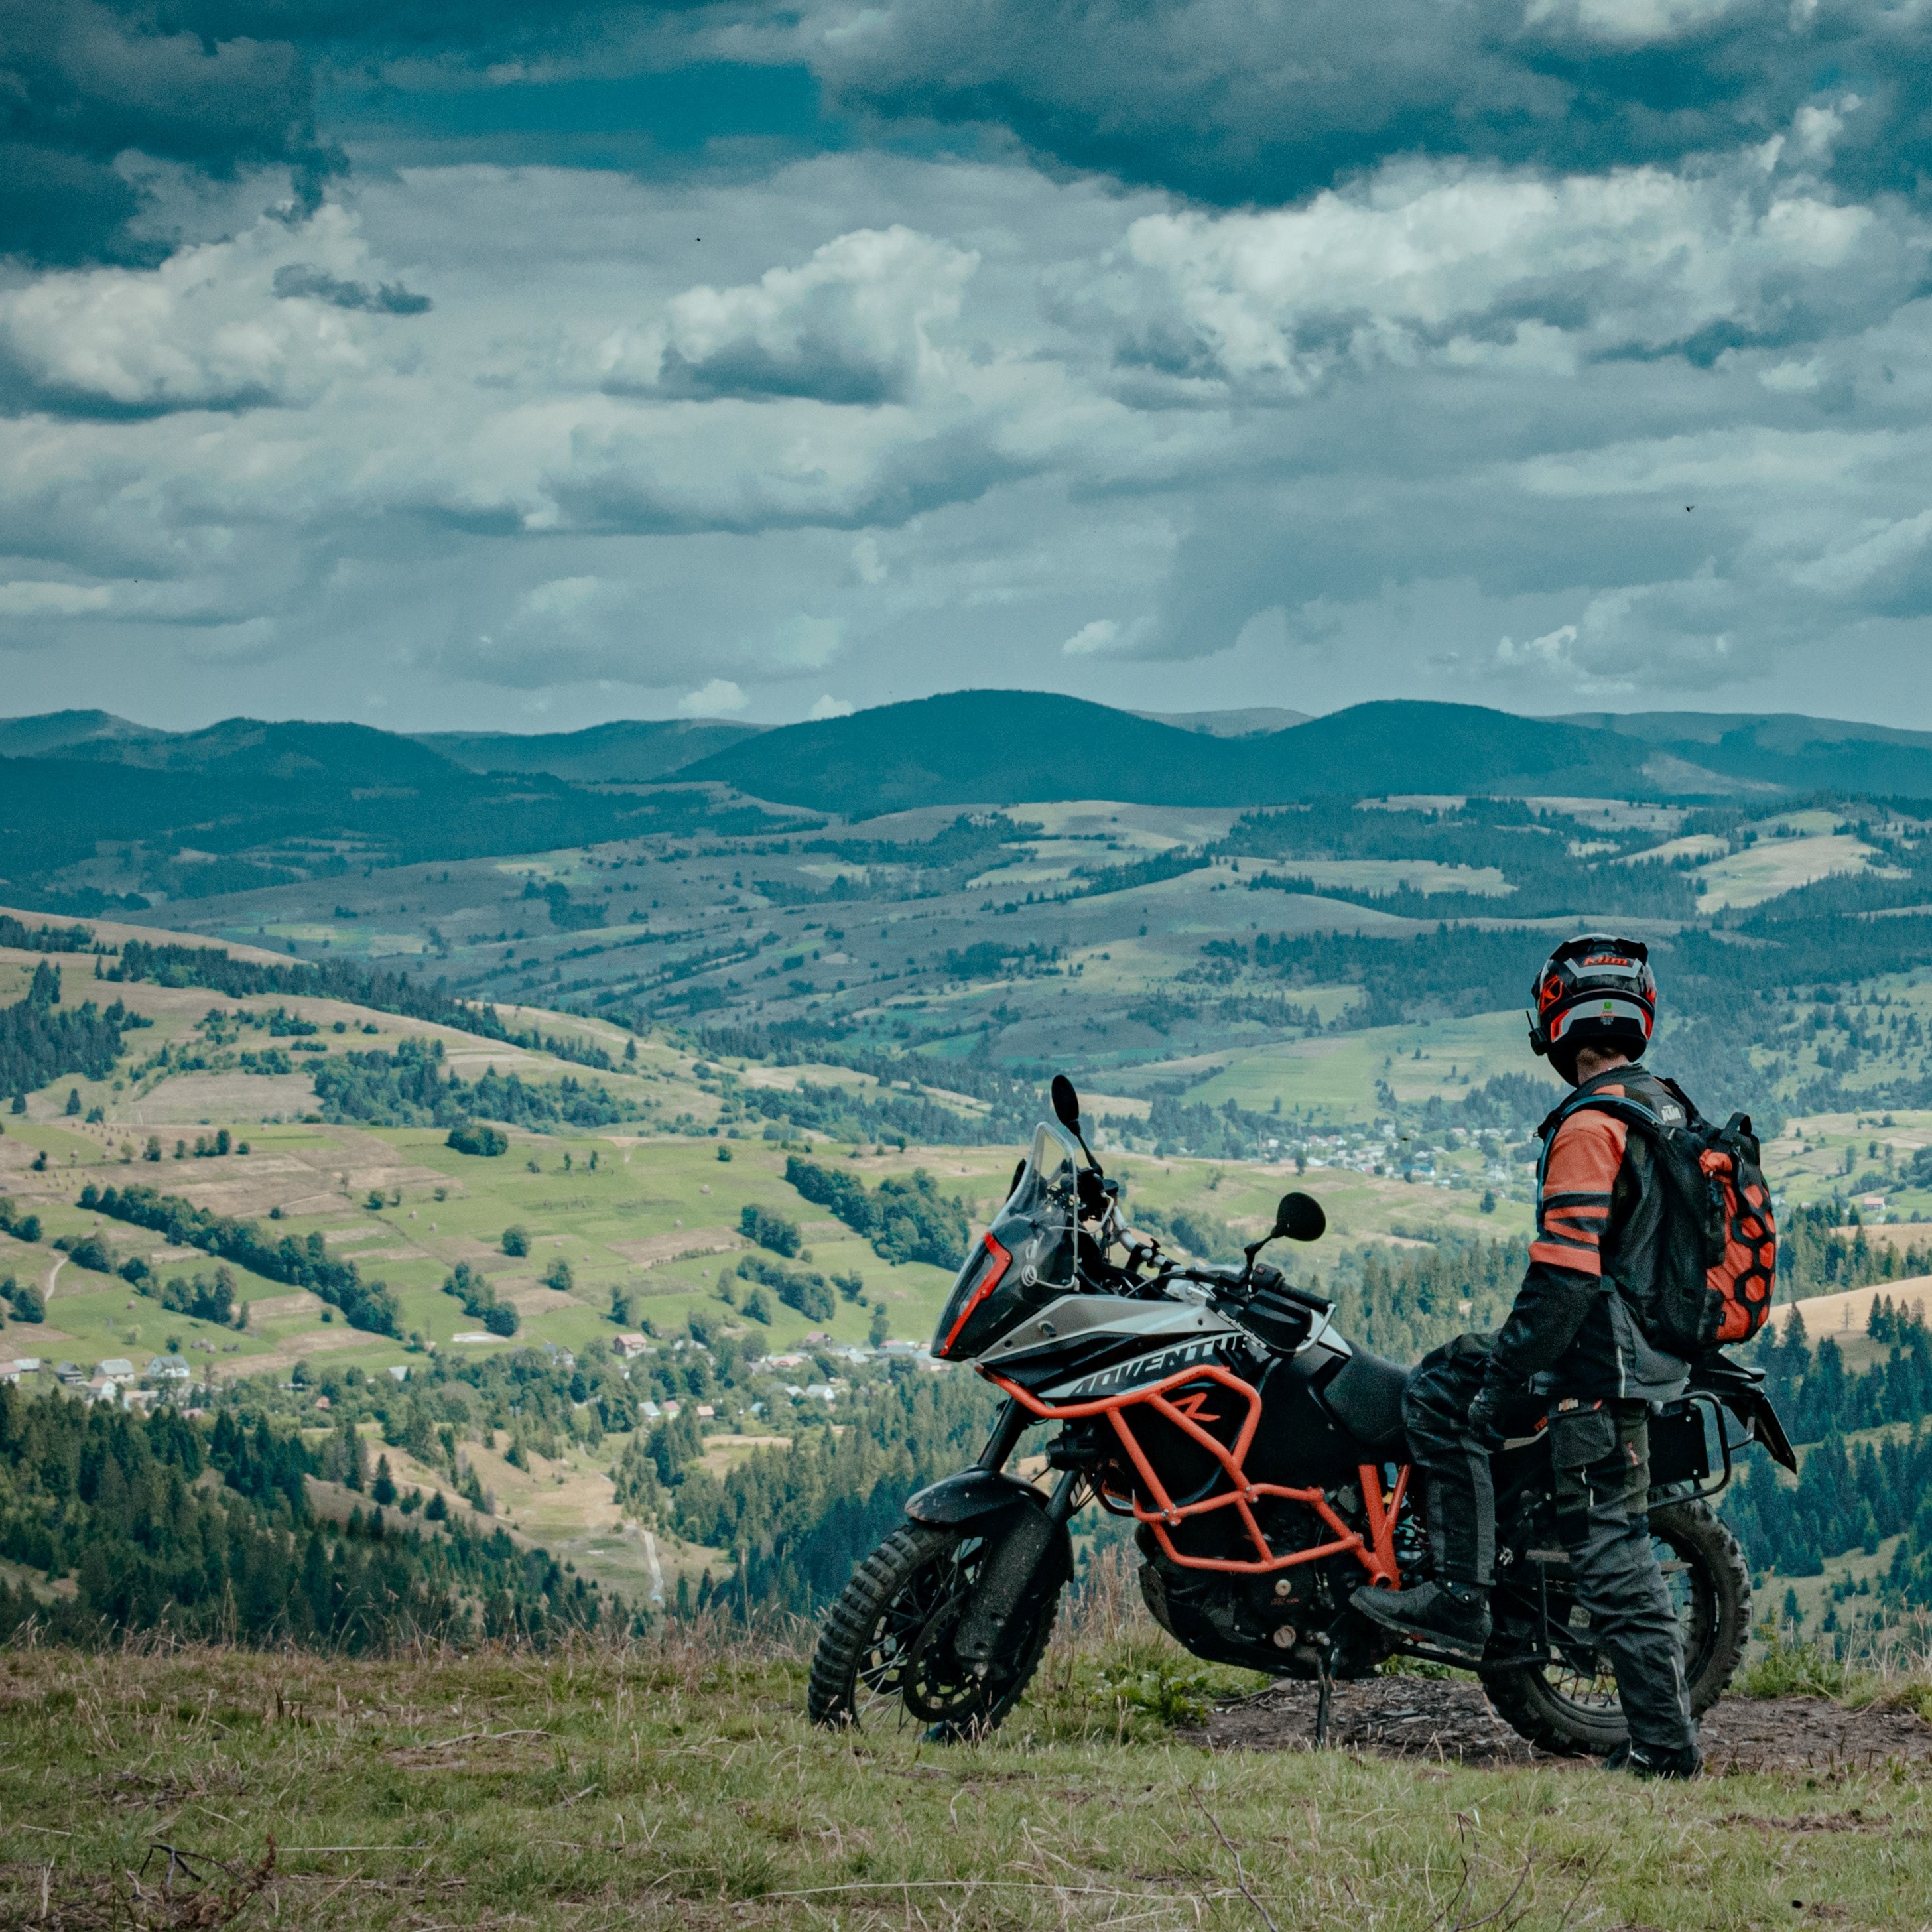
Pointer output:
1324, 1669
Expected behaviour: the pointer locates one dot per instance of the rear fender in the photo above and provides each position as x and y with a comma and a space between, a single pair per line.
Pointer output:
973, 1500
1753, 1408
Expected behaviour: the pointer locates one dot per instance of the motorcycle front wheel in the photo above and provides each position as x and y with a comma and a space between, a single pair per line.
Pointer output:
887, 1644
1567, 1708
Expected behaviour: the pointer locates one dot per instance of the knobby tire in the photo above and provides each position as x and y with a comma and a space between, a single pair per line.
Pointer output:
857, 1633
1530, 1699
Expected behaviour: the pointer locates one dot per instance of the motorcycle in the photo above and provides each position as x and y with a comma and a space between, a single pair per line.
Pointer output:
1261, 1458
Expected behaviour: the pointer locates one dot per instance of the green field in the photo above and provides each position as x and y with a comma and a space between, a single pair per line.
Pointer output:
657, 1218
1334, 1078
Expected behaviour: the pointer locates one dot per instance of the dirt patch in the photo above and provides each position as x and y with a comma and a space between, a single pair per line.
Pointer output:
538, 1299
316, 1342
676, 1247
284, 1307
190, 1099
1450, 1721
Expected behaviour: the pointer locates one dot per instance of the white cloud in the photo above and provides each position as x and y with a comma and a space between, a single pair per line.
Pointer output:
1550, 652
1628, 22
25, 598
1653, 636
565, 598
809, 644
828, 706
1871, 555
1274, 436
1434, 261
205, 330
852, 324
1091, 637
720, 698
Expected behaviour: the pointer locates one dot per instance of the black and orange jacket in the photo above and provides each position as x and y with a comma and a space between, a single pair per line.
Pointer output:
1574, 1331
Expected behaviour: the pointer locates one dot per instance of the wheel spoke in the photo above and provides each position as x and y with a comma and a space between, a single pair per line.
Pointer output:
1591, 1690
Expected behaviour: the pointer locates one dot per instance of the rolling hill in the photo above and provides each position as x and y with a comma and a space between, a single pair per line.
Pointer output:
1784, 749
1003, 747
253, 792
50, 732
627, 750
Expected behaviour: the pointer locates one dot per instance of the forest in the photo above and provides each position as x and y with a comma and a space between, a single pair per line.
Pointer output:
41, 1038
111, 1500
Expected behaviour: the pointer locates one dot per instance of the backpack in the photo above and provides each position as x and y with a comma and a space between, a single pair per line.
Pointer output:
1717, 1250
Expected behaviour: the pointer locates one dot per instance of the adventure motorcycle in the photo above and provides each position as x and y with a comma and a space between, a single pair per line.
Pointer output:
1263, 1459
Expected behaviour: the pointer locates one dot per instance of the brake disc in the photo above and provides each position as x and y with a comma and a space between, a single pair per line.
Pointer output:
935, 1684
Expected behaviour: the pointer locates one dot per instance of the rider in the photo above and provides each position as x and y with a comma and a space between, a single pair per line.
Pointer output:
1573, 1341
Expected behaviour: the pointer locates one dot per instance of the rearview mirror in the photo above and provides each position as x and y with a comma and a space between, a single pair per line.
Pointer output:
1066, 1104
1299, 1218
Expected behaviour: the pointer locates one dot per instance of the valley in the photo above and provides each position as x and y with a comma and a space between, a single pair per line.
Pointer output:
493, 1158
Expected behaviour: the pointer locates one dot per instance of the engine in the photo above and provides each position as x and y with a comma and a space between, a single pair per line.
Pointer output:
1280, 1622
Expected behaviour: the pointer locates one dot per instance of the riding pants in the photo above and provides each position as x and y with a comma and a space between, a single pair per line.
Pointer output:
1601, 1456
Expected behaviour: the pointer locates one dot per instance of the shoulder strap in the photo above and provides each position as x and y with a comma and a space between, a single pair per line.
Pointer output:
1633, 1112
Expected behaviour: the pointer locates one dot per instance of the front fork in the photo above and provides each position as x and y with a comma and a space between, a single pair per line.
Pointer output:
1009, 1425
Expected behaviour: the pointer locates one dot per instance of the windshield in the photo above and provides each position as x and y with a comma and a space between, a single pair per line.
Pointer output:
1041, 1210
1025, 1259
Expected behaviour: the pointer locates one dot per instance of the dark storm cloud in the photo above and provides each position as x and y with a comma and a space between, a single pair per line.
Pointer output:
84, 84
1231, 101
1227, 101
296, 280
214, 88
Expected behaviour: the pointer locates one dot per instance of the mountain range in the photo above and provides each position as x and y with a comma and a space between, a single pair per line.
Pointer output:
1003, 747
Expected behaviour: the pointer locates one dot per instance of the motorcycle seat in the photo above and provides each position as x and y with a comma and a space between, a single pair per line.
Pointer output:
1365, 1397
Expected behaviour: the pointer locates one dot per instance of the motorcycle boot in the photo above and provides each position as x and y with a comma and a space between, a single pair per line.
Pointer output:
1454, 1617
1656, 1760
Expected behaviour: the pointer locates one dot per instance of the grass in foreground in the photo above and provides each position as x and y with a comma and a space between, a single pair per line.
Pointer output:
676, 1783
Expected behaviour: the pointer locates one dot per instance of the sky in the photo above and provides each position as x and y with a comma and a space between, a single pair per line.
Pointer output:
483, 366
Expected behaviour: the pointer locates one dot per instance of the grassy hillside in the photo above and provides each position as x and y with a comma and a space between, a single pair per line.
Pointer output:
677, 1784
1139, 945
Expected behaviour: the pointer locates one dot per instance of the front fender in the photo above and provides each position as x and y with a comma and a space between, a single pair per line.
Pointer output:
972, 1499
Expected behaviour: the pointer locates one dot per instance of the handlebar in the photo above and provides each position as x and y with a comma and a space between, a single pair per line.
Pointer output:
1244, 1284
1302, 1297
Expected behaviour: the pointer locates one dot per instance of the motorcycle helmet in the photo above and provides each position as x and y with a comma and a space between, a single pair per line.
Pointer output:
1595, 990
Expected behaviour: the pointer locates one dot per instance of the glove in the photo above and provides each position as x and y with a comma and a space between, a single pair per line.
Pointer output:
1485, 1415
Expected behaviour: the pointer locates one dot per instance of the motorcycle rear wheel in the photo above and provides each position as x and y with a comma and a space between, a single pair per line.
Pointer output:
1556, 1707
887, 1642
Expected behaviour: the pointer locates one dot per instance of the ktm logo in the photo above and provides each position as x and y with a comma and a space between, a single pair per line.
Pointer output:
1193, 1406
